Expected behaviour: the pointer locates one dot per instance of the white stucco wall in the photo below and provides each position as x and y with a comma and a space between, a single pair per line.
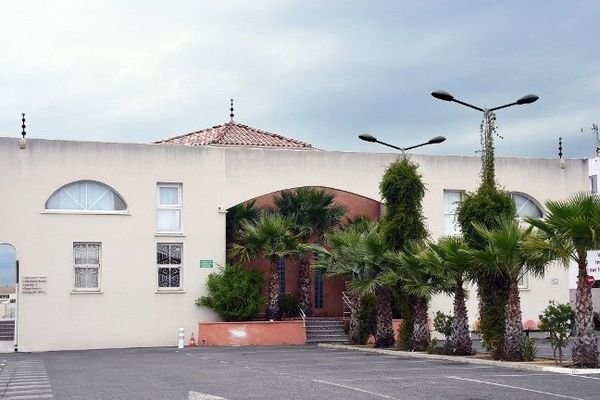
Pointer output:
129, 311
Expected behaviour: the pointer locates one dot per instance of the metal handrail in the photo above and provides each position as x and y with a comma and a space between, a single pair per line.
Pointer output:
303, 316
347, 301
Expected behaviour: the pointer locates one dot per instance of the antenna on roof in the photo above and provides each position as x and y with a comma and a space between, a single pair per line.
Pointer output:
231, 110
594, 130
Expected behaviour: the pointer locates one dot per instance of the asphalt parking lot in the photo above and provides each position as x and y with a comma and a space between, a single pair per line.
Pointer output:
271, 373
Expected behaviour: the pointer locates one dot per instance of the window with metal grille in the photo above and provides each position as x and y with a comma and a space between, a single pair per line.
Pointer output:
281, 272
86, 261
318, 289
168, 260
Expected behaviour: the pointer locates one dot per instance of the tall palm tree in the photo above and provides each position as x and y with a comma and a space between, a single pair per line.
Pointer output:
359, 254
505, 254
314, 213
451, 256
568, 230
420, 279
272, 237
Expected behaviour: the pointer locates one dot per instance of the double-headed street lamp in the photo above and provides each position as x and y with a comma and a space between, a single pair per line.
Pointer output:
368, 138
442, 95
488, 173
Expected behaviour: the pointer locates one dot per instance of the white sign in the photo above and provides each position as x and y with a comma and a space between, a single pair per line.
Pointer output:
593, 268
33, 284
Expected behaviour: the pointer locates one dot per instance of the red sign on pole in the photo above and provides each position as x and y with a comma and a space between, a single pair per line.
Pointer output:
590, 280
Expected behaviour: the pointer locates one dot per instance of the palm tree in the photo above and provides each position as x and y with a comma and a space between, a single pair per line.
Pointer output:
568, 230
452, 256
272, 237
314, 213
359, 254
234, 217
504, 254
420, 279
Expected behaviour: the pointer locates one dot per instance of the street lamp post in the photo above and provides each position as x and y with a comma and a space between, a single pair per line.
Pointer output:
487, 134
369, 138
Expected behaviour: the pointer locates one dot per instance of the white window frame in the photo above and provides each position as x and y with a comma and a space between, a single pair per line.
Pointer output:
180, 266
179, 206
88, 266
594, 184
462, 194
125, 211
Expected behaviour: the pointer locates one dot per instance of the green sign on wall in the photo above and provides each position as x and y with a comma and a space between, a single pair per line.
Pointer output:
206, 263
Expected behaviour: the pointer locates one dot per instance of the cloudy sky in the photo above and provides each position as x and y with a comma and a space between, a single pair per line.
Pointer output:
319, 71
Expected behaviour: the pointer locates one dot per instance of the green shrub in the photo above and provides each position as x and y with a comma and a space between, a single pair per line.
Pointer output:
367, 318
559, 321
529, 349
235, 293
289, 305
443, 324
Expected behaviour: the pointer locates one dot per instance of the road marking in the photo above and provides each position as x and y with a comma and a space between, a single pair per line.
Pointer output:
515, 387
584, 377
430, 377
21, 380
203, 396
356, 389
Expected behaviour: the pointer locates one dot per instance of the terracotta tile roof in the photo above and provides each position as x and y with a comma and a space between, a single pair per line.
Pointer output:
234, 134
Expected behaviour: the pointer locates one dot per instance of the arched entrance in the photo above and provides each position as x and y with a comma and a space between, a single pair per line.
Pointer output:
326, 294
8, 296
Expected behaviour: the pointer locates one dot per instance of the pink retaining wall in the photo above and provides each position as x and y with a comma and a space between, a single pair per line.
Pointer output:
252, 333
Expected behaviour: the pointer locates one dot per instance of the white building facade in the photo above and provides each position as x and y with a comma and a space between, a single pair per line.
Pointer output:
115, 241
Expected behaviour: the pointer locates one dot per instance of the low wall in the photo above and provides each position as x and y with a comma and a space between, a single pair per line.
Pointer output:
252, 333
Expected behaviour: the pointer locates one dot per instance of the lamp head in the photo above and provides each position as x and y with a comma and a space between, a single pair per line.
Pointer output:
367, 138
436, 140
530, 98
442, 95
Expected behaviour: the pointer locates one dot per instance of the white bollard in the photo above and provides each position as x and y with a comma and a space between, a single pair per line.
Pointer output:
181, 338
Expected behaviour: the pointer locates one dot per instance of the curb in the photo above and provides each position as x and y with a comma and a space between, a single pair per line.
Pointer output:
467, 360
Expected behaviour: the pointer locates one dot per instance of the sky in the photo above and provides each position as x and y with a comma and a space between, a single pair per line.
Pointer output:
7, 265
319, 71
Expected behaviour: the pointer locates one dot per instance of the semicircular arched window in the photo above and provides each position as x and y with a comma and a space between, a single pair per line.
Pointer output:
526, 206
86, 196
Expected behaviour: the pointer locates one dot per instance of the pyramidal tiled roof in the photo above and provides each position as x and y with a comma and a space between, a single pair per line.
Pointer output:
234, 134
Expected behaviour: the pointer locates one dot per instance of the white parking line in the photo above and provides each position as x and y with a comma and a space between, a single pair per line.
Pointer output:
515, 387
355, 389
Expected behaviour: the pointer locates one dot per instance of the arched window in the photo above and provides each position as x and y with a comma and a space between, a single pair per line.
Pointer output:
526, 206
86, 196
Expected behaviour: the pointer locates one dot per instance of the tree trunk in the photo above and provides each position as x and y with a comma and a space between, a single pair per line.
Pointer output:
585, 350
273, 305
461, 341
355, 321
421, 333
513, 334
304, 285
384, 337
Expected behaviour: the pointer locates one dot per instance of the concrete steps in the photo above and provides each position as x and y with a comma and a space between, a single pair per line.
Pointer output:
325, 330
7, 330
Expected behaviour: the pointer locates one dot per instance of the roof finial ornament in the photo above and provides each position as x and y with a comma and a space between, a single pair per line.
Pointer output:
231, 110
22, 142
563, 163
23, 125
560, 147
